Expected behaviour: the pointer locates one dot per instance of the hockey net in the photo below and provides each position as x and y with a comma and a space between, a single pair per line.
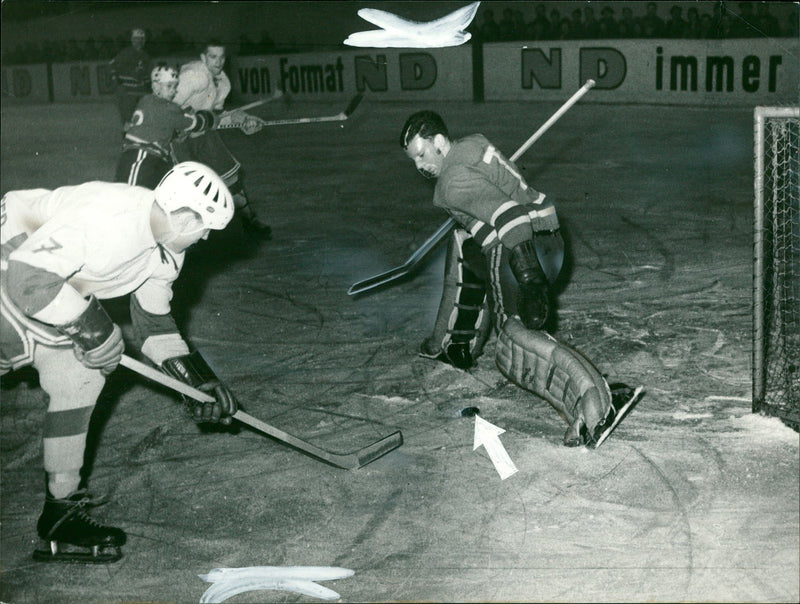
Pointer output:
776, 282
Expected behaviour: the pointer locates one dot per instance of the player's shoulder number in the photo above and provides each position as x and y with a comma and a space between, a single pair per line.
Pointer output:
137, 118
491, 154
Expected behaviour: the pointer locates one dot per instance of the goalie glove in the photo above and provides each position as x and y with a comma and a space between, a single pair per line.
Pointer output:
97, 340
192, 369
533, 300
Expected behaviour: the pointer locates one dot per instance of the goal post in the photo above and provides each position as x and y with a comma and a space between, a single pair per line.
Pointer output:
776, 269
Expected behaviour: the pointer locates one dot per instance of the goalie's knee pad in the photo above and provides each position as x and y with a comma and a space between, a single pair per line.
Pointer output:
463, 323
536, 361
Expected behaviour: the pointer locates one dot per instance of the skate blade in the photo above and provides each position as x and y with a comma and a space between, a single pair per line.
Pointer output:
621, 413
73, 554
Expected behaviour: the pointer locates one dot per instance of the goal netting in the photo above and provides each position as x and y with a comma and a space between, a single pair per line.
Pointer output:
776, 282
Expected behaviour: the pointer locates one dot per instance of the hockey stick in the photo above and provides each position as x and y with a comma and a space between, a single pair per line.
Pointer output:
441, 233
349, 461
273, 97
413, 260
339, 117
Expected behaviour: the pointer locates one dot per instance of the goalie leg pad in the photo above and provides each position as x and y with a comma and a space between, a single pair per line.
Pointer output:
462, 323
536, 361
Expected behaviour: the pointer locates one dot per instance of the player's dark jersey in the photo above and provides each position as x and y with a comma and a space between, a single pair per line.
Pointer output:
156, 122
131, 69
487, 195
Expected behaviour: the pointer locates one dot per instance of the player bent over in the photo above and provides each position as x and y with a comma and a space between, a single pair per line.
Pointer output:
204, 86
65, 249
156, 122
506, 224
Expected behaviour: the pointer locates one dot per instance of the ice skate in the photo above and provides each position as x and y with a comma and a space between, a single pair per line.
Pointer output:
457, 354
71, 535
251, 223
623, 398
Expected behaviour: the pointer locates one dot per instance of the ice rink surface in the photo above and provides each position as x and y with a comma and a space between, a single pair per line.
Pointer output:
693, 498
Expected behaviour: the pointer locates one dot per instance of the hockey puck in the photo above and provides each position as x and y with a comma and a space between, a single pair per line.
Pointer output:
470, 411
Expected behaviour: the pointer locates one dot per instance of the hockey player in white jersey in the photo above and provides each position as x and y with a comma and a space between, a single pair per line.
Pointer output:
63, 250
204, 86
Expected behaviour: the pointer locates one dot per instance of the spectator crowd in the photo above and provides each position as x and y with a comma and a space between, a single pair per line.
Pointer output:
167, 42
588, 21
754, 20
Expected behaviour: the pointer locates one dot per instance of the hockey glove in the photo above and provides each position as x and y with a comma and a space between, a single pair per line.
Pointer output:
192, 369
533, 299
251, 125
97, 339
229, 119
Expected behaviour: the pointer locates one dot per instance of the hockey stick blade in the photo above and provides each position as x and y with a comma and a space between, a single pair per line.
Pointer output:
405, 268
379, 448
348, 461
356, 100
377, 280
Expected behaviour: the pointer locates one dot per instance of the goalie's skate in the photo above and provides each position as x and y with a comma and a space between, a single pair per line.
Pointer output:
457, 354
69, 534
622, 399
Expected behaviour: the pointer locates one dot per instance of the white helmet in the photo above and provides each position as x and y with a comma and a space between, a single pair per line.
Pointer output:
196, 186
163, 74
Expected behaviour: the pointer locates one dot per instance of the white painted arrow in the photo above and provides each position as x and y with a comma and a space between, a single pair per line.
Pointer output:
397, 32
228, 582
488, 434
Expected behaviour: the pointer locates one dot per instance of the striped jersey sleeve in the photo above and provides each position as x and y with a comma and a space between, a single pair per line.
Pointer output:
487, 194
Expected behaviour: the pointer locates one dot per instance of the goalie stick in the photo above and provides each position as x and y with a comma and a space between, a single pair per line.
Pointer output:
415, 258
339, 117
349, 461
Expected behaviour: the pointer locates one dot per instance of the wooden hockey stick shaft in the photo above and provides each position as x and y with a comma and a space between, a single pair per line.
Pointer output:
339, 117
165, 380
442, 231
274, 96
350, 461
553, 118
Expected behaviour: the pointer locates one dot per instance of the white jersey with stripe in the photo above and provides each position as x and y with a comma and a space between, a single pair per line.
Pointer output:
77, 241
